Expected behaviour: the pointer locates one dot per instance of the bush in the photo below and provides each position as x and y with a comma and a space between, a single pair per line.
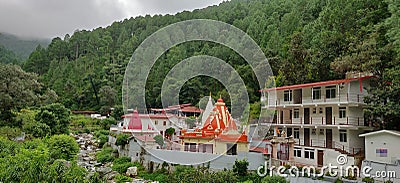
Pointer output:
121, 168
102, 136
368, 180
105, 155
63, 147
122, 179
122, 164
122, 160
274, 179
122, 139
106, 123
240, 167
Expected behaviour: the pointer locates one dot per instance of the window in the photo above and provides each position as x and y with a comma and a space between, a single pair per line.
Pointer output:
297, 152
314, 131
232, 149
289, 132
321, 110
296, 113
314, 110
156, 122
343, 135
296, 133
309, 153
287, 95
330, 91
316, 93
321, 131
165, 123
342, 112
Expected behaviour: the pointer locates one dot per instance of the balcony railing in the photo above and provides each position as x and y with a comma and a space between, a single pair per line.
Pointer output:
348, 120
346, 98
344, 149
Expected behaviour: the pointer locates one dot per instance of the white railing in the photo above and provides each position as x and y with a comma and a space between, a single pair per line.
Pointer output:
348, 120
344, 98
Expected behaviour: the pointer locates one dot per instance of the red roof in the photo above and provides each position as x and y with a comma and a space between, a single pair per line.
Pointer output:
323, 83
181, 107
145, 138
259, 149
232, 137
156, 116
219, 125
191, 109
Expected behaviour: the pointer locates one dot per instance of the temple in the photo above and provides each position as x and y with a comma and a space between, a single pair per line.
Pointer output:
134, 125
218, 135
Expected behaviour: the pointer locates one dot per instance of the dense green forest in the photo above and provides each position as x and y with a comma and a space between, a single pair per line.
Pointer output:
22, 47
8, 57
304, 40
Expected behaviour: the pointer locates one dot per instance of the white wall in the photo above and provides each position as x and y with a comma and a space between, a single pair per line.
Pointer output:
382, 140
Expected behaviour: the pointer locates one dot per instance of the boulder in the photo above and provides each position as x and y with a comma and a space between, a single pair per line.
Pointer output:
131, 171
103, 170
111, 175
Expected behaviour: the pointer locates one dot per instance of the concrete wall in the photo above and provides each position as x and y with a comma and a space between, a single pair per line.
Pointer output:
218, 147
385, 141
330, 156
387, 168
218, 162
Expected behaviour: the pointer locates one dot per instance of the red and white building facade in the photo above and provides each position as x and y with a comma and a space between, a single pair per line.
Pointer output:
325, 119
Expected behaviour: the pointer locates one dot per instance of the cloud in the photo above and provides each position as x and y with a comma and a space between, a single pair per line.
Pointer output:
50, 18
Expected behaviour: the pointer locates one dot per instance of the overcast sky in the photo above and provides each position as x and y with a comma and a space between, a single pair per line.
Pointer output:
50, 18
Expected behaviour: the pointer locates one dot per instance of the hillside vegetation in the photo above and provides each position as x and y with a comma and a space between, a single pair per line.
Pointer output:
304, 40
19, 46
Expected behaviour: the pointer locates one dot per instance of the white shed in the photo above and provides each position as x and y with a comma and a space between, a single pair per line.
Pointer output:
382, 146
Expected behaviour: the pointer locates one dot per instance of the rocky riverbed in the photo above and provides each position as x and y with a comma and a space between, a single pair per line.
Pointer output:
87, 156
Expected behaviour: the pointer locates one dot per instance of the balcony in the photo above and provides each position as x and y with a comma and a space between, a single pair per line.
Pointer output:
349, 120
337, 146
348, 98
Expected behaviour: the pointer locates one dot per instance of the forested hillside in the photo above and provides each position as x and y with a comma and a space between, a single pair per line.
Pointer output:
7, 56
305, 41
21, 47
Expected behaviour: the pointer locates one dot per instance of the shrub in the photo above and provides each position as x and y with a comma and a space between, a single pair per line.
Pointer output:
121, 168
122, 139
122, 179
62, 147
122, 160
105, 155
274, 179
240, 167
368, 180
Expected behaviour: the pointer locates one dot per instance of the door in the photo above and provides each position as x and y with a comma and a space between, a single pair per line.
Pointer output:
306, 115
328, 134
328, 115
320, 158
306, 136
281, 116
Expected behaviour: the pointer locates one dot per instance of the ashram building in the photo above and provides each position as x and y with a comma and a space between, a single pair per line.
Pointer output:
218, 135
148, 124
324, 118
133, 124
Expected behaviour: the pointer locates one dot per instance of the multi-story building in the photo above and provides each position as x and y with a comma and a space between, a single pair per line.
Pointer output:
325, 119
